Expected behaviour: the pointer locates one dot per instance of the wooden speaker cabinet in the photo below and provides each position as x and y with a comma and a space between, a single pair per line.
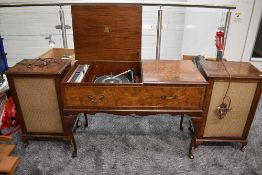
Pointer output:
243, 82
35, 87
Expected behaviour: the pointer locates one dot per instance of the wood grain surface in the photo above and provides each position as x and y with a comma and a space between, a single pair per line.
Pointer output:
171, 72
134, 96
37, 67
111, 32
216, 69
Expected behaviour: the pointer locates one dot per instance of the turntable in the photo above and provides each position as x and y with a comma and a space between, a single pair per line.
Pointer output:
119, 78
124, 77
111, 79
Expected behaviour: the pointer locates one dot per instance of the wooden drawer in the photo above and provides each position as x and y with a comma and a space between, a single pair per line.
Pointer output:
134, 96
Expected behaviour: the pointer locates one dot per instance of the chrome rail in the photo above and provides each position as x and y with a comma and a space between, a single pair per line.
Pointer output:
23, 3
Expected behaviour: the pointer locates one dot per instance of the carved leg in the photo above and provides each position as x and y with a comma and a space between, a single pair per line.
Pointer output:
194, 143
243, 146
86, 120
190, 154
69, 122
181, 122
73, 143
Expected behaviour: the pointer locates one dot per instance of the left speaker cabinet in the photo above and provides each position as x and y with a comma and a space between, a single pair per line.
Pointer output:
35, 87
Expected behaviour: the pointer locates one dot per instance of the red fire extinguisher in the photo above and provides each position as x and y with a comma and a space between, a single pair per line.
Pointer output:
220, 44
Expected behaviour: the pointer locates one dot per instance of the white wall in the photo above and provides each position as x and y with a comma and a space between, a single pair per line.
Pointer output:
238, 30
200, 29
149, 32
252, 32
172, 32
24, 31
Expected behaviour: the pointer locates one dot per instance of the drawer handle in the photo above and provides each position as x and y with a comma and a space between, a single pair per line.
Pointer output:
171, 97
95, 100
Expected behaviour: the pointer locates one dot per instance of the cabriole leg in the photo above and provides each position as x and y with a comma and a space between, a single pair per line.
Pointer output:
181, 122
190, 154
86, 120
73, 143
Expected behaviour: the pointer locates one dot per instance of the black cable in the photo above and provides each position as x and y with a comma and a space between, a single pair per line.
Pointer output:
224, 107
229, 79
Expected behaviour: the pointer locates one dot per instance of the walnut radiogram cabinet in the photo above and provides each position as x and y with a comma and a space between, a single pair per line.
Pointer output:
107, 42
110, 77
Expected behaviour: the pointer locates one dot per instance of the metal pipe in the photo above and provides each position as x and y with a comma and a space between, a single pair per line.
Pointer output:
116, 2
159, 33
63, 28
227, 23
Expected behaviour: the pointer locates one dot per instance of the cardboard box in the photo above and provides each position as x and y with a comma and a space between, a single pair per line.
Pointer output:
59, 53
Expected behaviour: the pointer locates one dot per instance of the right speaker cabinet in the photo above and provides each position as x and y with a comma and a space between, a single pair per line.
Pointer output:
240, 82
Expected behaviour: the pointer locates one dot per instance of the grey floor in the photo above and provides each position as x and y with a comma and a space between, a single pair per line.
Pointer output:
139, 145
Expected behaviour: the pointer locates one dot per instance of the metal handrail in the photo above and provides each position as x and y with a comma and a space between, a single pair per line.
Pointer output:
115, 2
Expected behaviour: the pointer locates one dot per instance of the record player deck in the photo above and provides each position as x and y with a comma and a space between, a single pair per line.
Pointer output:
106, 73
128, 87
112, 79
81, 70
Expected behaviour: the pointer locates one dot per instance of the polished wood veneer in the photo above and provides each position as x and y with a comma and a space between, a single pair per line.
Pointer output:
237, 70
108, 38
179, 92
103, 32
184, 92
134, 97
171, 72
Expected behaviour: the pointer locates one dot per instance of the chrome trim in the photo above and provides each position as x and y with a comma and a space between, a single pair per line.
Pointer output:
63, 27
159, 33
227, 22
116, 2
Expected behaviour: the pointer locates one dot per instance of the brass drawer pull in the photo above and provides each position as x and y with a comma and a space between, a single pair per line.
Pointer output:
95, 100
172, 97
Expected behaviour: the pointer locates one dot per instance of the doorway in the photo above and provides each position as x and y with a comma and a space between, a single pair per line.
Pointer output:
257, 50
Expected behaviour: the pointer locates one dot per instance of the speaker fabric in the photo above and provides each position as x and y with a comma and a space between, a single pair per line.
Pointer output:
38, 101
241, 94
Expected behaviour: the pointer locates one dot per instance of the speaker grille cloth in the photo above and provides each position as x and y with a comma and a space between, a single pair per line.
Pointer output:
233, 124
38, 102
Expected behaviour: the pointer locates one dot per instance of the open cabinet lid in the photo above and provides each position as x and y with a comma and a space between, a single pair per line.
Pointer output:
107, 32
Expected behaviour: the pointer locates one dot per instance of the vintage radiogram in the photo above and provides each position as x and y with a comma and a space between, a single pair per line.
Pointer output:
110, 76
